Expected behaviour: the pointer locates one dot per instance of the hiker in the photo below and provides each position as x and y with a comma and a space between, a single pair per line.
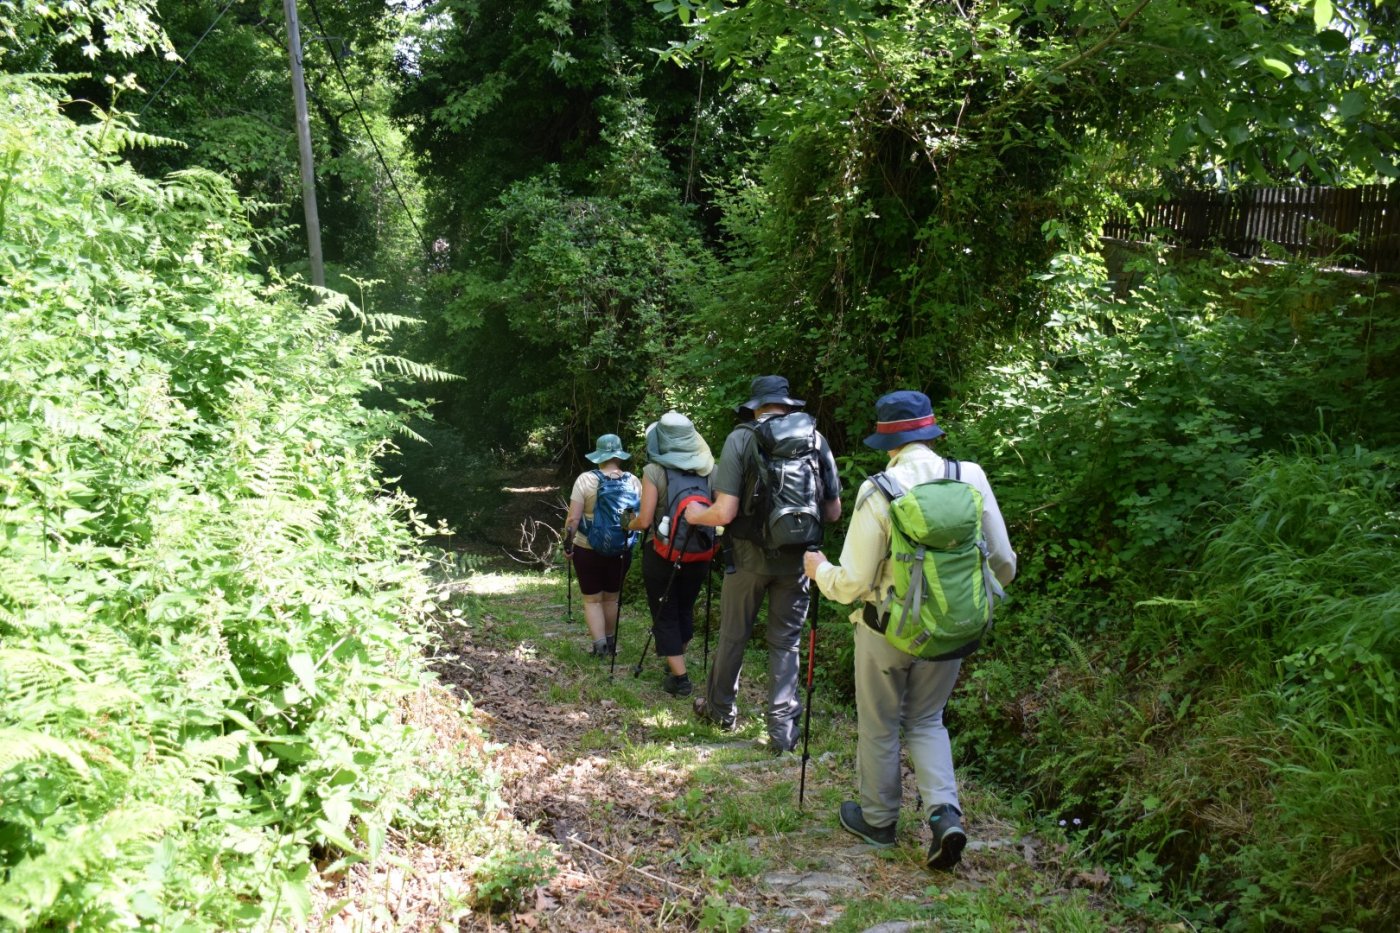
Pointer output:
676, 564
896, 690
765, 540
596, 540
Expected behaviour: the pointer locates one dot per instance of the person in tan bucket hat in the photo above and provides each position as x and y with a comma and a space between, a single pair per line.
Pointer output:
676, 564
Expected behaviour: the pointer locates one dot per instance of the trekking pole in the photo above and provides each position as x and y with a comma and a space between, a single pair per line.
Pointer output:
617, 624
811, 659
569, 586
709, 591
661, 604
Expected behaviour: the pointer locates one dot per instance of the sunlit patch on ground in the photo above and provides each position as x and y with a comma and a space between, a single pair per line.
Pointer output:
504, 584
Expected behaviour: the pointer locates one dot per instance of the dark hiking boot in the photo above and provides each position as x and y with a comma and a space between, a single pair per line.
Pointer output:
600, 648
702, 712
948, 838
882, 837
678, 685
612, 645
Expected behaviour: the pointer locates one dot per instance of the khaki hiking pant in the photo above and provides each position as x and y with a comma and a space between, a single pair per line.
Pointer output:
897, 692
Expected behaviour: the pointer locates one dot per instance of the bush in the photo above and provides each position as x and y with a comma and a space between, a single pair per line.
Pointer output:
207, 615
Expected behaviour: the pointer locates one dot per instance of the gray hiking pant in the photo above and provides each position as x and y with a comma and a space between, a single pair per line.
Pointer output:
740, 599
897, 691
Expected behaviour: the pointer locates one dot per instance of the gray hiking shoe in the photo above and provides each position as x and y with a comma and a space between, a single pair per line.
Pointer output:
702, 713
948, 837
852, 821
601, 648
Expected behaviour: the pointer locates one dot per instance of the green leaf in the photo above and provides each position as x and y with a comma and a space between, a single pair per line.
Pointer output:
1332, 40
1353, 103
1322, 14
1273, 66
304, 668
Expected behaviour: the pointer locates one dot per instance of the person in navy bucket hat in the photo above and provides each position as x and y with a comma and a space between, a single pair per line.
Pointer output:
901, 418
896, 692
755, 573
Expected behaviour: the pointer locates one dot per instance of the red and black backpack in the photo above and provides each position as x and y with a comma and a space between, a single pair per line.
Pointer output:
683, 542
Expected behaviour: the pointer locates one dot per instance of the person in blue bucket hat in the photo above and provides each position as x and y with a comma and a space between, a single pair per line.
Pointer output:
895, 691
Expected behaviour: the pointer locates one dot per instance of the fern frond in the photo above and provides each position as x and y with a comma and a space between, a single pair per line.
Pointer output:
1078, 651
403, 429
124, 138
18, 746
92, 850
405, 367
28, 669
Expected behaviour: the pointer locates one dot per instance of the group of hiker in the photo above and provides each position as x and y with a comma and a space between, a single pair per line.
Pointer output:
925, 556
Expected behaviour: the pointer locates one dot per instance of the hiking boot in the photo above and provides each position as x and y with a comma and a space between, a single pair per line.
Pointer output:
678, 685
948, 837
601, 648
702, 712
882, 837
612, 645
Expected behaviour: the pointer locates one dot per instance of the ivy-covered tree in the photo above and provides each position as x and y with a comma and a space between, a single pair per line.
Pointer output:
557, 153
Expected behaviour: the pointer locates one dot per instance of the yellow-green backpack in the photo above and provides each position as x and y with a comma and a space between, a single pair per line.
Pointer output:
943, 591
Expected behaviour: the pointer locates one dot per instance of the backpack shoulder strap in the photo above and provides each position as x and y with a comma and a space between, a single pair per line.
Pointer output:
952, 469
888, 486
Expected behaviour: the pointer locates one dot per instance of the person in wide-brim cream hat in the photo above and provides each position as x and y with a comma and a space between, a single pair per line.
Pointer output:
672, 441
674, 447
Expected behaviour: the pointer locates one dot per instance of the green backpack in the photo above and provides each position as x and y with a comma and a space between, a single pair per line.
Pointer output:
943, 589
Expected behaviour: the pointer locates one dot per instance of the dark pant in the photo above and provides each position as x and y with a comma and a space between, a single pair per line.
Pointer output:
596, 573
788, 599
673, 613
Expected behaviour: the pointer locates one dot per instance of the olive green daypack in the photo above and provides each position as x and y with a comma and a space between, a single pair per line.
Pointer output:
943, 590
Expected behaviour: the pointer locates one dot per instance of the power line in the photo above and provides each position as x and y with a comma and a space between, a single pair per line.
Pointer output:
335, 59
184, 59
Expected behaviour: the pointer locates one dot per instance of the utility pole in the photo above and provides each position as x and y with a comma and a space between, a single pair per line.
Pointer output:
308, 173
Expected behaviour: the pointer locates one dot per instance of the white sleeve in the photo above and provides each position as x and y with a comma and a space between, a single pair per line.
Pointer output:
999, 553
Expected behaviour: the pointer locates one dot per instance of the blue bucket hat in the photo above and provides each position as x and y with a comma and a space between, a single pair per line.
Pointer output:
609, 448
902, 418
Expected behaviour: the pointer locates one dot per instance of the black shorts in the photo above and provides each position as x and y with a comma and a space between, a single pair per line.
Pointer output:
596, 573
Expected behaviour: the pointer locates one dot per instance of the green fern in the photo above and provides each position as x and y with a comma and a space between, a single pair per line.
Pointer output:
20, 746
411, 368
35, 884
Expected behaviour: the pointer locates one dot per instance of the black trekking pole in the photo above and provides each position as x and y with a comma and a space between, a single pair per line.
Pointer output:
661, 604
569, 586
617, 624
811, 660
709, 591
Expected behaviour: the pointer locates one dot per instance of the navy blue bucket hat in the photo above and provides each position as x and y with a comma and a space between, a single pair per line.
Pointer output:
902, 418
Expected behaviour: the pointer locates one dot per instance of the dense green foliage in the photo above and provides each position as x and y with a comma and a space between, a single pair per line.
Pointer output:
1142, 456
207, 615
1196, 456
907, 195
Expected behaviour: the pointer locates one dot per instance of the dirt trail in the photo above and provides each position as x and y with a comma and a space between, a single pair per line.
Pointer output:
660, 824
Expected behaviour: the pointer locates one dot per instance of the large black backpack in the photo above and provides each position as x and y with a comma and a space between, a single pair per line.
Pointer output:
782, 508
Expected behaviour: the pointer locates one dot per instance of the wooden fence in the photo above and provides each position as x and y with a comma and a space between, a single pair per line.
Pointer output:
1318, 222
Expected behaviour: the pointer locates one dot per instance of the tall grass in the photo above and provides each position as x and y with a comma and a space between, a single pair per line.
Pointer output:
1299, 591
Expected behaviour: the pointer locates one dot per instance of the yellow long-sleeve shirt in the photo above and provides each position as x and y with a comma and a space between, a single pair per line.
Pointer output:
864, 573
